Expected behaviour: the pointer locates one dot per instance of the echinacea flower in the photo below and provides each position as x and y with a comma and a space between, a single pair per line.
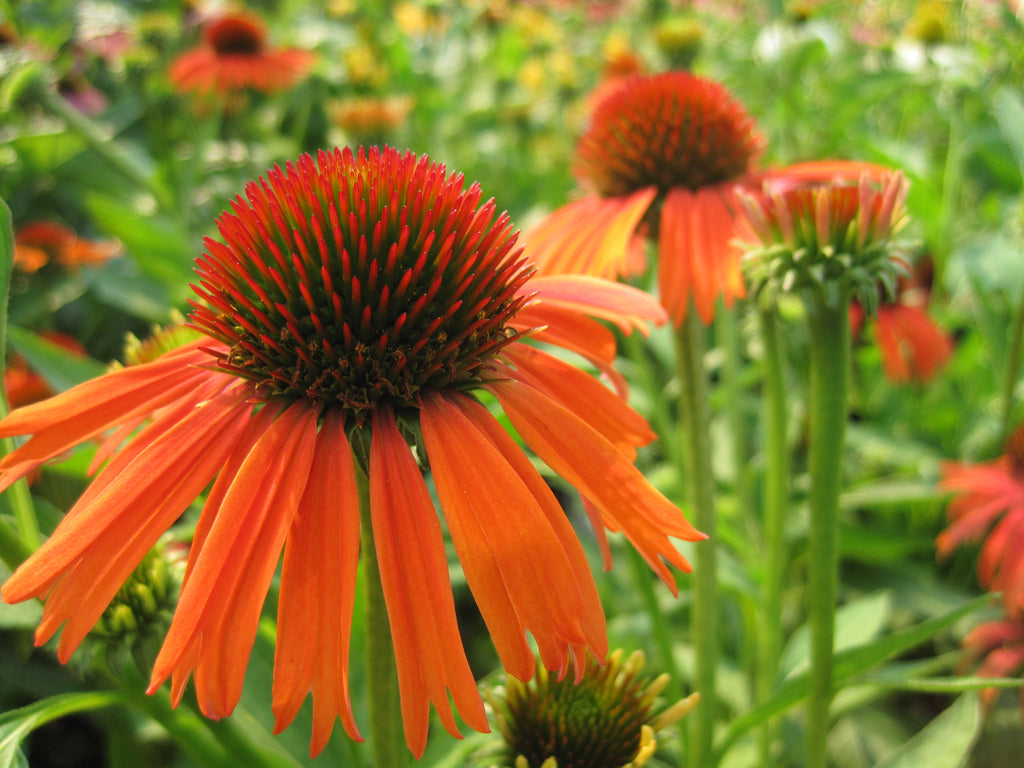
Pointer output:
608, 718
827, 225
912, 345
988, 507
39, 243
999, 646
661, 156
355, 300
235, 55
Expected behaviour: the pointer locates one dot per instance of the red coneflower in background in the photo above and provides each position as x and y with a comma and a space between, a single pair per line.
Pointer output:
989, 506
661, 155
999, 646
236, 55
356, 300
39, 243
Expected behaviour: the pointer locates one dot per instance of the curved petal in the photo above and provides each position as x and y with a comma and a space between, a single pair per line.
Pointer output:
696, 255
585, 396
215, 622
318, 589
591, 236
417, 590
106, 535
511, 536
629, 308
597, 469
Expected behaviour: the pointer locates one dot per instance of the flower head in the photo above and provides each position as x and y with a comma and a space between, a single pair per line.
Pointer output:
235, 55
607, 719
999, 646
353, 300
988, 506
827, 225
39, 243
912, 346
662, 151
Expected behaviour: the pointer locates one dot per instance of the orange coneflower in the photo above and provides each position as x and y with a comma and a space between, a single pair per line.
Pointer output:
989, 506
235, 55
663, 151
354, 300
999, 646
39, 243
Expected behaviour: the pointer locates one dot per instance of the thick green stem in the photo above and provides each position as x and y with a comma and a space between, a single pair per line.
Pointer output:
829, 332
776, 501
386, 736
696, 439
1012, 369
727, 335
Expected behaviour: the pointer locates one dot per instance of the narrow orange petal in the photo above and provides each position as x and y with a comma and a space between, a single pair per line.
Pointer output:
318, 587
220, 605
600, 472
585, 396
533, 554
629, 308
414, 575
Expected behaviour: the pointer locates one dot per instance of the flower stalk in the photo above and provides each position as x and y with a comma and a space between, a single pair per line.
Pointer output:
694, 415
829, 356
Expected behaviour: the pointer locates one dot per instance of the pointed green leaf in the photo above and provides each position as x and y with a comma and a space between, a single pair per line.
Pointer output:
945, 742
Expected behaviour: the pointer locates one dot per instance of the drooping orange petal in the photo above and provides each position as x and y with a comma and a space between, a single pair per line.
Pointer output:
147, 478
414, 576
590, 236
585, 396
912, 346
318, 587
597, 469
510, 534
220, 604
71, 417
628, 307
696, 256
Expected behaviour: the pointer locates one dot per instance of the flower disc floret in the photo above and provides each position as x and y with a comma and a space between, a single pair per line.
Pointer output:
666, 131
357, 280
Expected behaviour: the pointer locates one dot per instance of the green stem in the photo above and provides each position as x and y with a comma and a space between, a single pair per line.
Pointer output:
104, 146
695, 423
385, 713
829, 355
776, 500
727, 334
1012, 369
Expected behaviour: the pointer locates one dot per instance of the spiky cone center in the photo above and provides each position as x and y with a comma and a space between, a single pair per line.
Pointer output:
360, 279
666, 131
834, 236
236, 35
604, 721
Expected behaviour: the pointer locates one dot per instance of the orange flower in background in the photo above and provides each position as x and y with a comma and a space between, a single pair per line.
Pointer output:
43, 242
988, 507
661, 156
365, 298
913, 347
236, 55
999, 645
22, 384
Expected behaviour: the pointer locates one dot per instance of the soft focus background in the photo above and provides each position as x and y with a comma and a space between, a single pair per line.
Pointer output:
113, 175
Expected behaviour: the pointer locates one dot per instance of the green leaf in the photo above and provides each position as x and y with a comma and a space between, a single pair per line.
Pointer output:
857, 623
61, 368
945, 742
847, 664
1009, 111
17, 724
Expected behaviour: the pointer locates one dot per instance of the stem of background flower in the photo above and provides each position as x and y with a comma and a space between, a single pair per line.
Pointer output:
1012, 370
14, 548
695, 424
386, 735
104, 146
645, 582
727, 336
776, 500
829, 360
